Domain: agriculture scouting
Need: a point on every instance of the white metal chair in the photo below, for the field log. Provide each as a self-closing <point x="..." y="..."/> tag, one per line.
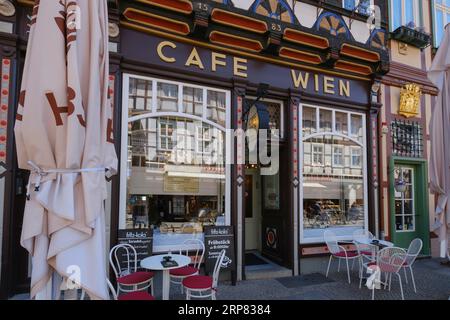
<point x="367" y="251"/>
<point x="389" y="261"/>
<point x="204" y="286"/>
<point x="411" y="255"/>
<point x="177" y="275"/>
<point x="339" y="252"/>
<point x="128" y="278"/>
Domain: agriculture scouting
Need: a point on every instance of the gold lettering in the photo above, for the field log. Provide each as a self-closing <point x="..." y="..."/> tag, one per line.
<point x="161" y="55"/>
<point x="240" y="70"/>
<point x="328" y="85"/>
<point x="344" y="88"/>
<point x="216" y="62"/>
<point x="316" y="82"/>
<point x="194" y="59"/>
<point x="300" y="79"/>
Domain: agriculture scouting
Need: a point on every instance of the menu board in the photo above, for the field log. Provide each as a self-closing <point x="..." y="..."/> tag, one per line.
<point x="218" y="238"/>
<point x="140" y="239"/>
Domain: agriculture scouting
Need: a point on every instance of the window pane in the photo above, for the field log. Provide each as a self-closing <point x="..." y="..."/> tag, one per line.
<point x="167" y="97"/>
<point x="439" y="26"/>
<point x="309" y="121"/>
<point x="409" y="12"/>
<point x="396" y="14"/>
<point x="357" y="127"/>
<point x="341" y="123"/>
<point x="140" y="96"/>
<point x="333" y="190"/>
<point x="216" y="107"/>
<point x="325" y="120"/>
<point x="193" y="101"/>
<point x="349" y="4"/>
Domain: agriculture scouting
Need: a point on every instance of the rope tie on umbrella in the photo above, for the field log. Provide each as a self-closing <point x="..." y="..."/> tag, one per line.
<point x="41" y="173"/>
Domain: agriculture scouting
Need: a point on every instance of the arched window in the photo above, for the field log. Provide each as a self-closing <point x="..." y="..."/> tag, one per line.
<point x="334" y="189"/>
<point x="173" y="171"/>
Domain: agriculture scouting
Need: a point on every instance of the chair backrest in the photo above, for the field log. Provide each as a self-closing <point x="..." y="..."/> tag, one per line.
<point x="331" y="241"/>
<point x="217" y="267"/>
<point x="123" y="259"/>
<point x="391" y="259"/>
<point x="413" y="251"/>
<point x="199" y="251"/>
<point x="362" y="234"/>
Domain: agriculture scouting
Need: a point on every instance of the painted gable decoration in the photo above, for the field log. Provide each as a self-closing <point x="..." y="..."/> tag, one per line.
<point x="378" y="39"/>
<point x="275" y="9"/>
<point x="332" y="23"/>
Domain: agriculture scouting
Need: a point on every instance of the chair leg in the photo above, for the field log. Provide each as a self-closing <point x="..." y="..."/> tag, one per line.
<point x="406" y="275"/>
<point x="329" y="263"/>
<point x="339" y="265"/>
<point x="348" y="271"/>
<point x="188" y="295"/>
<point x="353" y="264"/>
<point x="390" y="280"/>
<point x="412" y="277"/>
<point x="213" y="295"/>
<point x="401" y="286"/>
<point x="152" y="290"/>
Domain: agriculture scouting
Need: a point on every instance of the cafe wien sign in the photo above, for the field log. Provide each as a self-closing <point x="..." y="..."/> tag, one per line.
<point x="176" y="56"/>
<point x="328" y="85"/>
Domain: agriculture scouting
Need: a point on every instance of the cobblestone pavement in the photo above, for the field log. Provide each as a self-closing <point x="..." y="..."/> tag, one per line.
<point x="432" y="281"/>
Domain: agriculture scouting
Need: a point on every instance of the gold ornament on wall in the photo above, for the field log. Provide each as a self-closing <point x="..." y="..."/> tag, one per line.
<point x="410" y="100"/>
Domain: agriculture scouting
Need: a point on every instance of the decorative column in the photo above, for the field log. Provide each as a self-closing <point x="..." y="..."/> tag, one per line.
<point x="238" y="175"/>
<point x="373" y="163"/>
<point x="295" y="143"/>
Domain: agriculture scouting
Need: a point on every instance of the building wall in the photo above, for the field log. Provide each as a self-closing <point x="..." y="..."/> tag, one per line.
<point x="413" y="59"/>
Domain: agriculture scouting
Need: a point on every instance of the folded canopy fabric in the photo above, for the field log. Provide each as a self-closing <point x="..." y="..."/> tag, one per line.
<point x="63" y="135"/>
<point x="439" y="74"/>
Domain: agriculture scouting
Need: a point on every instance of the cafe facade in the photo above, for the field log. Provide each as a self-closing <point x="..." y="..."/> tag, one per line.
<point x="189" y="79"/>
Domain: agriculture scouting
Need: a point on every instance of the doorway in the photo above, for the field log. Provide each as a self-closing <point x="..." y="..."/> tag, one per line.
<point x="252" y="210"/>
<point x="409" y="218"/>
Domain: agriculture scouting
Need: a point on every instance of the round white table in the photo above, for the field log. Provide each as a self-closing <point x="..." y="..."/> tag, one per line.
<point x="154" y="263"/>
<point x="369" y="242"/>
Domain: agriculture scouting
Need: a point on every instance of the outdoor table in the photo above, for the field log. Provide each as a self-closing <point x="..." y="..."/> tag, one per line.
<point x="376" y="247"/>
<point x="154" y="263"/>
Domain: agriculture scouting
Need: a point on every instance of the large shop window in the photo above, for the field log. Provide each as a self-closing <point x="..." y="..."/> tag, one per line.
<point x="174" y="178"/>
<point x="334" y="177"/>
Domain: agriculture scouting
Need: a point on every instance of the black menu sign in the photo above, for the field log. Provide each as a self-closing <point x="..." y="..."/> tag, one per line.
<point x="217" y="239"/>
<point x="140" y="239"/>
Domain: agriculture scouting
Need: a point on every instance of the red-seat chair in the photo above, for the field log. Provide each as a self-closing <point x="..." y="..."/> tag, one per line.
<point x="204" y="286"/>
<point x="136" y="295"/>
<point x="340" y="253"/>
<point x="123" y="259"/>
<point x="178" y="275"/>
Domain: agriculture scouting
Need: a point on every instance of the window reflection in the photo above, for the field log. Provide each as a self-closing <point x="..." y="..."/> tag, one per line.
<point x="333" y="173"/>
<point x="176" y="164"/>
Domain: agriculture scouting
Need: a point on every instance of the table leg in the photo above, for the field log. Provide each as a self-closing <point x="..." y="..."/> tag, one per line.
<point x="166" y="285"/>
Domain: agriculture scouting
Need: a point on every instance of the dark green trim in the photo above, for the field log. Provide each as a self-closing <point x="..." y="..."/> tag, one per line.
<point x="421" y="203"/>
